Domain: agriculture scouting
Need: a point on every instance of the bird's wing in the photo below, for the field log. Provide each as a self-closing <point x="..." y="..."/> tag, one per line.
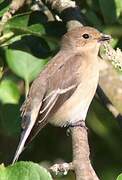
<point x="44" y="94"/>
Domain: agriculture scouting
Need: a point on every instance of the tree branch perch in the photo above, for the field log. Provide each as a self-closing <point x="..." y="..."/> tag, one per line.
<point x="81" y="152"/>
<point x="81" y="164"/>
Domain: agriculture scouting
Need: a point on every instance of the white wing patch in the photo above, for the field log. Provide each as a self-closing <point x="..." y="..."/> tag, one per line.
<point x="53" y="98"/>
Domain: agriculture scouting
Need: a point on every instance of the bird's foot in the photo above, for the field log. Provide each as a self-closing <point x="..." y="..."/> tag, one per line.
<point x="80" y="123"/>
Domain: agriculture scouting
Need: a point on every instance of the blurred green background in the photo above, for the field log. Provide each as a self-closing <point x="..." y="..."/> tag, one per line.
<point x="28" y="42"/>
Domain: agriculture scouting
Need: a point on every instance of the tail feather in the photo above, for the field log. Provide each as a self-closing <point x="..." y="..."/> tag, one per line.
<point x="30" y="119"/>
<point x="24" y="136"/>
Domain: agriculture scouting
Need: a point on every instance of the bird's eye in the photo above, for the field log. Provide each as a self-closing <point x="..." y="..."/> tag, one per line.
<point x="85" y="36"/>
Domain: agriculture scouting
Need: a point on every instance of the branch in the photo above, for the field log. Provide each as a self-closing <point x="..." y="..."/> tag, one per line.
<point x="67" y="10"/>
<point x="81" y="161"/>
<point x="81" y="164"/>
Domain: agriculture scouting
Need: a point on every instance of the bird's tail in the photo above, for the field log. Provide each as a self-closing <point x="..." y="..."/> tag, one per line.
<point x="24" y="136"/>
<point x="30" y="119"/>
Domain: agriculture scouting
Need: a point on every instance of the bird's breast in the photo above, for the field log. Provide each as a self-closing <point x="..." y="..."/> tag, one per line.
<point x="75" y="108"/>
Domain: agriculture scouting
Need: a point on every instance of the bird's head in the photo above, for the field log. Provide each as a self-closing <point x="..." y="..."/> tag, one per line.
<point x="84" y="38"/>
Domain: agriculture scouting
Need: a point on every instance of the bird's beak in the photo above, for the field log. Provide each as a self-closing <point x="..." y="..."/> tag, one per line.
<point x="104" y="37"/>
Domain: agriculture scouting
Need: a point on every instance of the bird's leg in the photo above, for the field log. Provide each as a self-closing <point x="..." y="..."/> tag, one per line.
<point x="80" y="123"/>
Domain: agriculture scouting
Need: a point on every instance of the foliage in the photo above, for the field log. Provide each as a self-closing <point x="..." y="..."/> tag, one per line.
<point x="29" y="66"/>
<point x="27" y="43"/>
<point x="119" y="177"/>
<point x="25" y="171"/>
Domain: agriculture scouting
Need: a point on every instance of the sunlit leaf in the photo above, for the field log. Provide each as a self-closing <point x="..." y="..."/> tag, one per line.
<point x="19" y="21"/>
<point x="4" y="6"/>
<point x="119" y="177"/>
<point x="1" y="1"/>
<point x="9" y="92"/>
<point x="24" y="171"/>
<point x="19" y="25"/>
<point x="118" y="7"/>
<point x="11" y="40"/>
<point x="24" y="65"/>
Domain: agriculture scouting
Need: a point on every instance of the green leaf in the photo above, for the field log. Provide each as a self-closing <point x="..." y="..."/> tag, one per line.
<point x="3" y="11"/>
<point x="24" y="171"/>
<point x="19" y="25"/>
<point x="109" y="16"/>
<point x="4" y="7"/>
<point x="114" y="30"/>
<point x="36" y="29"/>
<point x="93" y="18"/>
<point x="24" y="65"/>
<point x="10" y="39"/>
<point x="9" y="92"/>
<point x="21" y="21"/>
<point x="118" y="4"/>
<point x="1" y="1"/>
<point x="119" y="177"/>
<point x="103" y="125"/>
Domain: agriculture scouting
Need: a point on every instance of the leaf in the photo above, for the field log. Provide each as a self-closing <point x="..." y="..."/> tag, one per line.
<point x="24" y="64"/>
<point x="119" y="177"/>
<point x="109" y="16"/>
<point x="114" y="30"/>
<point x="1" y="1"/>
<point x="36" y="29"/>
<point x="11" y="39"/>
<point x="19" y="25"/>
<point x="104" y="125"/>
<point x="118" y="4"/>
<point x="93" y="18"/>
<point x="24" y="171"/>
<point x="4" y="7"/>
<point x="9" y="92"/>
<point x="3" y="11"/>
<point x="21" y="21"/>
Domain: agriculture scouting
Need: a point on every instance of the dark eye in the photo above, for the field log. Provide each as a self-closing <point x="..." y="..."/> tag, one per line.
<point x="85" y="36"/>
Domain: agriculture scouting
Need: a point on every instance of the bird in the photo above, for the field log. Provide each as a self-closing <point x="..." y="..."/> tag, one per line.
<point x="63" y="91"/>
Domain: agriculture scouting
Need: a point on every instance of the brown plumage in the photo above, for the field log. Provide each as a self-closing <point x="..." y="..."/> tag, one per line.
<point x="64" y="90"/>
